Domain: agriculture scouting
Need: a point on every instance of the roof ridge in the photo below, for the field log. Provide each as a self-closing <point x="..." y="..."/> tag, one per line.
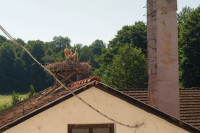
<point x="87" y="80"/>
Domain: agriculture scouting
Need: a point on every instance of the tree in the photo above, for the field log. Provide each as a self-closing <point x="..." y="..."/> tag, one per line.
<point x="12" y="70"/>
<point x="2" y="39"/>
<point x="132" y="37"/>
<point x="50" y="46"/>
<point x="61" y="42"/>
<point x="86" y="55"/>
<point x="37" y="49"/>
<point x="38" y="76"/>
<point x="34" y="73"/>
<point x="135" y="35"/>
<point x="190" y="47"/>
<point x="104" y="61"/>
<point x="128" y="69"/>
<point x="31" y="91"/>
<point x="19" y="50"/>
<point x="15" y="98"/>
<point x="78" y="46"/>
<point x="51" y="54"/>
<point x="7" y="69"/>
<point x="183" y="15"/>
<point x="97" y="47"/>
<point x="51" y="57"/>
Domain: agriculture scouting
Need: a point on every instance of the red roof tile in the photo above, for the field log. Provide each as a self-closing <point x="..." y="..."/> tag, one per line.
<point x="85" y="81"/>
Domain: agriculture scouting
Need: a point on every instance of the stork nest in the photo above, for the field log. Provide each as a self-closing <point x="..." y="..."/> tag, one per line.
<point x="66" y="70"/>
<point x="68" y="67"/>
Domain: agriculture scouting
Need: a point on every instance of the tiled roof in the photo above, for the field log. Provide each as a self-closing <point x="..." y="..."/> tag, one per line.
<point x="189" y="103"/>
<point x="85" y="81"/>
<point x="49" y="98"/>
<point x="140" y="94"/>
<point x="37" y="101"/>
<point x="190" y="106"/>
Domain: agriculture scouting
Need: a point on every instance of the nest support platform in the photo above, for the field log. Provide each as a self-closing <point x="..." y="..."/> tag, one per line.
<point x="68" y="69"/>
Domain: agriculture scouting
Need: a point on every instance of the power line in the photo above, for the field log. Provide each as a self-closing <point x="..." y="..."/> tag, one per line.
<point x="63" y="85"/>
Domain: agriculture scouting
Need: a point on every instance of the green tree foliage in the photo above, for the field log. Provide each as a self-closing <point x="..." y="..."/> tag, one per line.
<point x="11" y="69"/>
<point x="18" y="70"/>
<point x="51" y="57"/>
<point x="50" y="46"/>
<point x="189" y="43"/>
<point x="85" y="54"/>
<point x="61" y="42"/>
<point x="31" y="91"/>
<point x="2" y="39"/>
<point x="7" y="59"/>
<point x="117" y="58"/>
<point x="128" y="69"/>
<point x="105" y="60"/>
<point x="183" y="15"/>
<point x="37" y="49"/>
<point x="36" y="75"/>
<point x="54" y="49"/>
<point x="97" y="47"/>
<point x="135" y="34"/>
<point x="79" y="46"/>
<point x="91" y="53"/>
<point x="50" y="53"/>
<point x="15" y="98"/>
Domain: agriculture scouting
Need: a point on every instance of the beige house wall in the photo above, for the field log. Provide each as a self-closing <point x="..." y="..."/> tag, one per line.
<point x="73" y="111"/>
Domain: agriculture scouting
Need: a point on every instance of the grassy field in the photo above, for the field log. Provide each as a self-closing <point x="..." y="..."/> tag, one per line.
<point x="6" y="100"/>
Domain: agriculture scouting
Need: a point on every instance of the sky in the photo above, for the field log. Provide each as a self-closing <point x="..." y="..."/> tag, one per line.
<point x="83" y="21"/>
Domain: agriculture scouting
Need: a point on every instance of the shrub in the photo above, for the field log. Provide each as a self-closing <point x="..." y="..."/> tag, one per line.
<point x="15" y="98"/>
<point x="31" y="91"/>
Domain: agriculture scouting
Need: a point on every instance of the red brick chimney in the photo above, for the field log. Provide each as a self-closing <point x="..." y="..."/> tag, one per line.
<point x="162" y="40"/>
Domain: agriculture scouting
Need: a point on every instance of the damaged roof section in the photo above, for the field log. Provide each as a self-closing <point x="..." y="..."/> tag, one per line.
<point x="37" y="101"/>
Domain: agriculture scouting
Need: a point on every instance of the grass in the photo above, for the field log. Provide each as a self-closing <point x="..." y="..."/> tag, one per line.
<point x="6" y="100"/>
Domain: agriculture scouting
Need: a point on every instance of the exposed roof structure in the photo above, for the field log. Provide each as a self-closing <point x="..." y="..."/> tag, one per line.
<point x="37" y="104"/>
<point x="13" y="115"/>
<point x="189" y="103"/>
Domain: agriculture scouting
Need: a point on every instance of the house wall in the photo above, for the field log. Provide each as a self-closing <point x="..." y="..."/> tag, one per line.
<point x="73" y="111"/>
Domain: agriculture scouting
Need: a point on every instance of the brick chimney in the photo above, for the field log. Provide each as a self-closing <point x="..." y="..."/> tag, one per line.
<point x="162" y="40"/>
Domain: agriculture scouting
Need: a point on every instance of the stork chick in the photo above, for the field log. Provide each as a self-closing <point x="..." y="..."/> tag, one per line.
<point x="75" y="55"/>
<point x="66" y="52"/>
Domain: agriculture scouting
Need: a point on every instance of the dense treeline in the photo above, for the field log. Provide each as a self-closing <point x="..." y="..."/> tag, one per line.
<point x="189" y="46"/>
<point x="122" y="64"/>
<point x="18" y="71"/>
